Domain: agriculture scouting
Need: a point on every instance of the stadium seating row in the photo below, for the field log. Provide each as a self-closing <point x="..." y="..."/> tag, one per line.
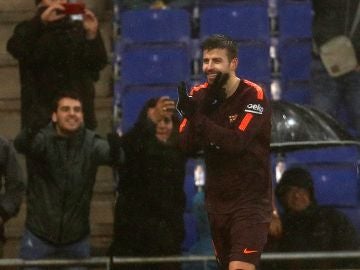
<point x="163" y="54"/>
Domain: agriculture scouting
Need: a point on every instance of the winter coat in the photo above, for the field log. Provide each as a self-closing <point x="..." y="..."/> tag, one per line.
<point x="317" y="228"/>
<point x="151" y="201"/>
<point x="60" y="182"/>
<point x="53" y="58"/>
<point x="11" y="183"/>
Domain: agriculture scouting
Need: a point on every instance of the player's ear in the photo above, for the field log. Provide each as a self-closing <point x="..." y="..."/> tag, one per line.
<point x="234" y="63"/>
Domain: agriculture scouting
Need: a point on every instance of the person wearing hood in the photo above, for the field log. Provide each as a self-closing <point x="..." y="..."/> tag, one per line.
<point x="151" y="200"/>
<point x="308" y="226"/>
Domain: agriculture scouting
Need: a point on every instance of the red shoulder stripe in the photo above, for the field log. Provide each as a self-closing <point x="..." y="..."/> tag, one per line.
<point x="259" y="90"/>
<point x="182" y="125"/>
<point x="245" y="122"/>
<point x="198" y="88"/>
<point x="194" y="89"/>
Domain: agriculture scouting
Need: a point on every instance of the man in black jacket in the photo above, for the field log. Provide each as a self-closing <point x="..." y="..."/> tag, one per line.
<point x="55" y="52"/>
<point x="11" y="186"/>
<point x="308" y="226"/>
<point x="65" y="157"/>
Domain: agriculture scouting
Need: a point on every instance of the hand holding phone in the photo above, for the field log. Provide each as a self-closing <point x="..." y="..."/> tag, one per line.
<point x="51" y="13"/>
<point x="167" y="104"/>
<point x="90" y="23"/>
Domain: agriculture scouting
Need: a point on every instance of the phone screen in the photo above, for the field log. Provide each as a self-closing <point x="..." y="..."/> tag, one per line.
<point x="74" y="8"/>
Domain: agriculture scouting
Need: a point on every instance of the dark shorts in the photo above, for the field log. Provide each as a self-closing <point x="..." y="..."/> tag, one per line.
<point x="235" y="239"/>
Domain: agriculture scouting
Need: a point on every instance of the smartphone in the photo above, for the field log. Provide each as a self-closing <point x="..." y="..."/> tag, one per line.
<point x="74" y="8"/>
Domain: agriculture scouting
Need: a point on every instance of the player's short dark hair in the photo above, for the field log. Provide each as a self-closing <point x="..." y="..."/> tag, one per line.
<point x="218" y="41"/>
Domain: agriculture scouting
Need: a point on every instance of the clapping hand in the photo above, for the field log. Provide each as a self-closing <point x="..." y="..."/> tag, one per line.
<point x="215" y="93"/>
<point x="185" y="104"/>
<point x="213" y="96"/>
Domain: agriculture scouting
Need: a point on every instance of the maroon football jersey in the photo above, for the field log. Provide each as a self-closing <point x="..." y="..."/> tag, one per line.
<point x="235" y="138"/>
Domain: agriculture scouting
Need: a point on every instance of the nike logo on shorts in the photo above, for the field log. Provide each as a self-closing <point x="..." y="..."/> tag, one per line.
<point x="249" y="251"/>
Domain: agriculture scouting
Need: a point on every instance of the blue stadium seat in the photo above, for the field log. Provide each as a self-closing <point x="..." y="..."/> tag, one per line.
<point x="295" y="59"/>
<point x="191" y="234"/>
<point x="335" y="173"/>
<point x="190" y="231"/>
<point x="295" y="18"/>
<point x="354" y="216"/>
<point x="246" y="21"/>
<point x="296" y="91"/>
<point x="149" y="26"/>
<point x="206" y="3"/>
<point x="336" y="184"/>
<point x="294" y="48"/>
<point x="343" y="116"/>
<point x="134" y="98"/>
<point x="155" y="65"/>
<point x="254" y="61"/>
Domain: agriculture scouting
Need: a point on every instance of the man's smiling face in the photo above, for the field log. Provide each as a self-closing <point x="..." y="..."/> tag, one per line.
<point x="68" y="117"/>
<point x="215" y="61"/>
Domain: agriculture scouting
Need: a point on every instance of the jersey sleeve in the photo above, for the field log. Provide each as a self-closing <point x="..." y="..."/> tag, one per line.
<point x="251" y="120"/>
<point x="190" y="134"/>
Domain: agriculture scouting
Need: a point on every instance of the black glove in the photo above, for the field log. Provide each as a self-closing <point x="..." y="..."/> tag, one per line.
<point x="185" y="103"/>
<point x="214" y="93"/>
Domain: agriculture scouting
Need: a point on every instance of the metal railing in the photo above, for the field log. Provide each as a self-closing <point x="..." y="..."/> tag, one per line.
<point x="107" y="262"/>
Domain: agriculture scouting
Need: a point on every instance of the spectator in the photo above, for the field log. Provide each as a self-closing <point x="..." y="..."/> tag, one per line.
<point x="55" y="52"/>
<point x="308" y="226"/>
<point x="229" y="119"/>
<point x="335" y="95"/>
<point x="65" y="157"/>
<point x="11" y="186"/>
<point x="151" y="201"/>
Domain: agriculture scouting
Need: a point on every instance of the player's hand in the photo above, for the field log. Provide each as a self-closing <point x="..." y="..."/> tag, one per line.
<point x="185" y="104"/>
<point x="215" y="93"/>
